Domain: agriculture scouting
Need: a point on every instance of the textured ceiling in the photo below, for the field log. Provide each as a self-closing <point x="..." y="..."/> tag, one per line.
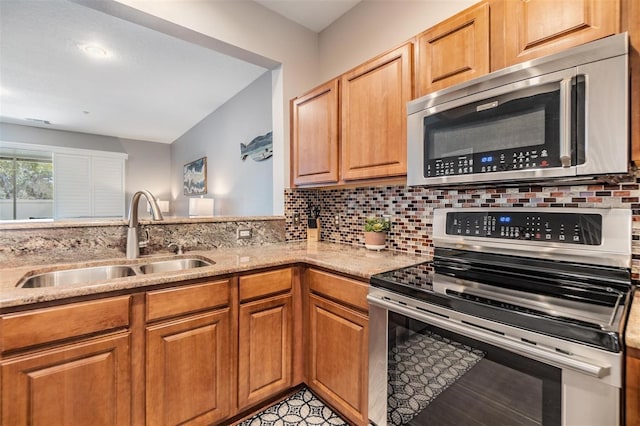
<point x="152" y="86"/>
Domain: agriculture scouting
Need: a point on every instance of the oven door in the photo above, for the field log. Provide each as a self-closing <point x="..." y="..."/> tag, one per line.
<point x="443" y="372"/>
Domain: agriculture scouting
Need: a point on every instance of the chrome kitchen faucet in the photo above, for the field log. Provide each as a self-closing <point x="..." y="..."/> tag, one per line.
<point x="133" y="247"/>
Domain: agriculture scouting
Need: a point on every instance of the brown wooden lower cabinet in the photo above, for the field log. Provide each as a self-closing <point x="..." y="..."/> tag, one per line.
<point x="197" y="353"/>
<point x="338" y="357"/>
<point x="264" y="364"/>
<point x="632" y="388"/>
<point x="188" y="370"/>
<point x="86" y="383"/>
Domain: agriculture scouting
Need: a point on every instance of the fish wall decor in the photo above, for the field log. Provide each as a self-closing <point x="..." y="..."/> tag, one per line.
<point x="259" y="149"/>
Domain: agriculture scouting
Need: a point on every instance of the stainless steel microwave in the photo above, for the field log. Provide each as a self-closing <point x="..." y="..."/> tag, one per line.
<point x="564" y="116"/>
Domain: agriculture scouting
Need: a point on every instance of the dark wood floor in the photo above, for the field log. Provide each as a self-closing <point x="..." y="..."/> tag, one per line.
<point x="488" y="394"/>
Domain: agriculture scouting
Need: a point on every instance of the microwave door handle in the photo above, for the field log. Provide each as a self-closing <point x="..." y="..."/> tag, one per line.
<point x="565" y="122"/>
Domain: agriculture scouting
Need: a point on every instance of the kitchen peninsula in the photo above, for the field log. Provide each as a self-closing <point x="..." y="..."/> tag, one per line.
<point x="250" y="301"/>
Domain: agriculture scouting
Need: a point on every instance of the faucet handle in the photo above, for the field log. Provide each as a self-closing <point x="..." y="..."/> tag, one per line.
<point x="178" y="247"/>
<point x="144" y="243"/>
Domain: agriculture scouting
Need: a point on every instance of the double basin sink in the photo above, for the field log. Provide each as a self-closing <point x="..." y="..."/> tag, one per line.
<point x="93" y="274"/>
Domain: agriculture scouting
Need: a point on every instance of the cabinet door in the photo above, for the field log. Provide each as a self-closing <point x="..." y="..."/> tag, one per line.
<point x="188" y="370"/>
<point x="374" y="116"/>
<point x="314" y="138"/>
<point x="454" y="51"/>
<point x="535" y="28"/>
<point x="338" y="357"/>
<point x="87" y="383"/>
<point x="264" y="366"/>
<point x="632" y="391"/>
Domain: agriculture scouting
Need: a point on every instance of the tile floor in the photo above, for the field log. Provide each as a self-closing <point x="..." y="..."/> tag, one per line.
<point x="300" y="409"/>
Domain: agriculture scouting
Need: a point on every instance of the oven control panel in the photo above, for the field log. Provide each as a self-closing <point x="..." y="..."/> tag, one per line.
<point x="569" y="228"/>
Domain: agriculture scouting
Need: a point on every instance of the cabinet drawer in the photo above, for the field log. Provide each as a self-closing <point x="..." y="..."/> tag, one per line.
<point x="341" y="289"/>
<point x="39" y="326"/>
<point x="190" y="298"/>
<point x="265" y="283"/>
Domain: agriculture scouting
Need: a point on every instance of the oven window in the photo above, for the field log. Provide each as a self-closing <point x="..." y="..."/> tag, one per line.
<point x="520" y="123"/>
<point x="521" y="130"/>
<point x="436" y="377"/>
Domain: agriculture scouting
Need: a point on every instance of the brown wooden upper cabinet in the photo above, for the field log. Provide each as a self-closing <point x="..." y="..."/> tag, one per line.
<point x="314" y="136"/>
<point x="369" y="102"/>
<point x="374" y="116"/>
<point x="353" y="128"/>
<point x="454" y="50"/>
<point x="534" y="28"/>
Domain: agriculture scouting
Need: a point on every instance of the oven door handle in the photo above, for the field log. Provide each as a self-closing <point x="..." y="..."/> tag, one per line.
<point x="560" y="360"/>
<point x="565" y="122"/>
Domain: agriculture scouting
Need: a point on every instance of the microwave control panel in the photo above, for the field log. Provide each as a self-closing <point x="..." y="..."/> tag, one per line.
<point x="568" y="228"/>
<point x="497" y="161"/>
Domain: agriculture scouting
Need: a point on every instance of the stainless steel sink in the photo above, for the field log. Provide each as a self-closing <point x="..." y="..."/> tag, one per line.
<point x="173" y="265"/>
<point x="102" y="273"/>
<point x="76" y="276"/>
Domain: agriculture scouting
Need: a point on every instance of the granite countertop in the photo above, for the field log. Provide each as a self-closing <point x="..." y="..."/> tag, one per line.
<point x="350" y="260"/>
<point x="632" y="332"/>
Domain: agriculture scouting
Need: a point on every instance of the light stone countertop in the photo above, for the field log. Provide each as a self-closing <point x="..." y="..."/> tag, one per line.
<point x="632" y="332"/>
<point x="346" y="259"/>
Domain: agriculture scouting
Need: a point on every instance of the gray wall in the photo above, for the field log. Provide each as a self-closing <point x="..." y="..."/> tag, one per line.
<point x="50" y="137"/>
<point x="239" y="188"/>
<point x="242" y="26"/>
<point x="148" y="168"/>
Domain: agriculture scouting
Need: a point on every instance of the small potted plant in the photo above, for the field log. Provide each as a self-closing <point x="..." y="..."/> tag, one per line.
<point x="375" y="232"/>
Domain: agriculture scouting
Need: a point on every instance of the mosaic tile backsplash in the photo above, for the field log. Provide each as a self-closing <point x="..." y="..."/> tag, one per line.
<point x="342" y="211"/>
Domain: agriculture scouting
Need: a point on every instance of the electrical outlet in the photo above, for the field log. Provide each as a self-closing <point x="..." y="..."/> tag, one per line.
<point x="336" y="221"/>
<point x="387" y="218"/>
<point x="244" y="233"/>
<point x="296" y="219"/>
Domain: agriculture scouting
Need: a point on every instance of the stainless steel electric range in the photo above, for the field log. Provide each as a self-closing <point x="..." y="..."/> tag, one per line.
<point x="517" y="321"/>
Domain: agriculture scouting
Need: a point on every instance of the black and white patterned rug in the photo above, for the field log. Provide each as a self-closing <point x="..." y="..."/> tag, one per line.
<point x="300" y="409"/>
<point x="420" y="368"/>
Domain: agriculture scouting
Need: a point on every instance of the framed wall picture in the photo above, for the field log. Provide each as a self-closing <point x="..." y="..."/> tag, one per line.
<point x="195" y="177"/>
